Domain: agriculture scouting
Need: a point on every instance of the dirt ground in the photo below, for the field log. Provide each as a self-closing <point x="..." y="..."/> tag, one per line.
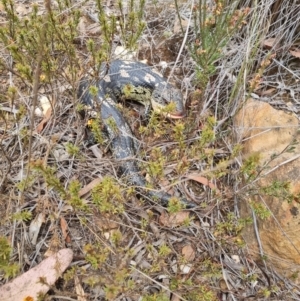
<point x="130" y="248"/>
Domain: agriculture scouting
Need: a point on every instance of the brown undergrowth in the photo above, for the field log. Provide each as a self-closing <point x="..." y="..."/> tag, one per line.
<point x="57" y="191"/>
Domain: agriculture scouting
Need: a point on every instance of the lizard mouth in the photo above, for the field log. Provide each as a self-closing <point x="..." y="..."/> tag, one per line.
<point x="176" y="115"/>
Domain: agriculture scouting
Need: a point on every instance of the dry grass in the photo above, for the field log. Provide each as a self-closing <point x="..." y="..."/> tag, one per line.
<point x="135" y="250"/>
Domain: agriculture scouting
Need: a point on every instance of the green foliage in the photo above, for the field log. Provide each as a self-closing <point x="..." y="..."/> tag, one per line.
<point x="130" y="26"/>
<point x="201" y="293"/>
<point x="120" y="283"/>
<point x="9" y="269"/>
<point x="24" y="216"/>
<point x="159" y="127"/>
<point x="155" y="126"/>
<point x="96" y="130"/>
<point x="167" y="109"/>
<point x="70" y="273"/>
<point x="21" y="113"/>
<point x="97" y="57"/>
<point x="197" y="292"/>
<point x="231" y="225"/>
<point x="93" y="90"/>
<point x="250" y="166"/>
<point x="108" y="196"/>
<point x="211" y="268"/>
<point x="96" y="254"/>
<point x="294" y="276"/>
<point x="116" y="237"/>
<point x="265" y="292"/>
<point x="215" y="24"/>
<point x="54" y="33"/>
<point x="50" y="177"/>
<point x="73" y="197"/>
<point x="179" y="137"/>
<point x="25" y="183"/>
<point x="278" y="189"/>
<point x="70" y="195"/>
<point x="127" y="90"/>
<point x="111" y="123"/>
<point x="156" y="164"/>
<point x="131" y="22"/>
<point x="72" y="149"/>
<point x="164" y="250"/>
<point x="11" y="93"/>
<point x="260" y="209"/>
<point x="115" y="280"/>
<point x="24" y="135"/>
<point x="175" y="205"/>
<point x="156" y="297"/>
<point x="208" y="132"/>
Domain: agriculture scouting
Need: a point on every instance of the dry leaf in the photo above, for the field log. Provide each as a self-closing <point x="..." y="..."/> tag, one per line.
<point x="47" y="111"/>
<point x="185" y="268"/>
<point x="81" y="27"/>
<point x="35" y="227"/>
<point x="67" y="208"/>
<point x="175" y="298"/>
<point x="42" y="124"/>
<point x="105" y="223"/>
<point x="49" y="253"/>
<point x="22" y="9"/>
<point x="188" y="253"/>
<point x="45" y="104"/>
<point x="295" y="53"/>
<point x="87" y="188"/>
<point x="29" y="286"/>
<point x="269" y="43"/>
<point x="79" y="290"/>
<point x="236" y="258"/>
<point x="177" y="27"/>
<point x="93" y="29"/>
<point x="202" y="180"/>
<point x="268" y="92"/>
<point x="65" y="230"/>
<point x="60" y="153"/>
<point x="10" y="110"/>
<point x="165" y="185"/>
<point x="96" y="151"/>
<point x="223" y="286"/>
<point x="174" y="219"/>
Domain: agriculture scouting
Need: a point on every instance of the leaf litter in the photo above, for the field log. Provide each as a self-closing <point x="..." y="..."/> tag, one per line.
<point x="145" y="237"/>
